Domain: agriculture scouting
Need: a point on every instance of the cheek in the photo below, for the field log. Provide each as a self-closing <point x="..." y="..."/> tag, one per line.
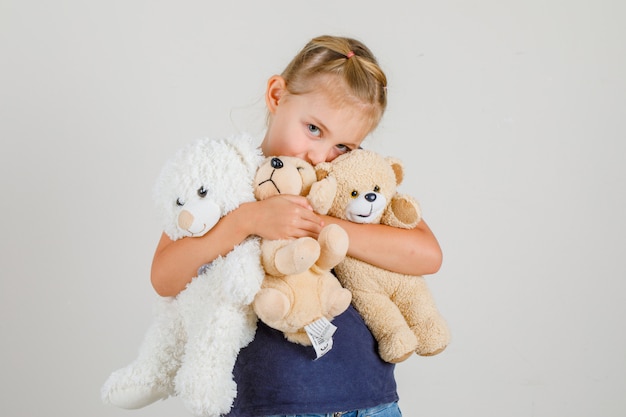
<point x="295" y="144"/>
<point x="286" y="145"/>
<point x="332" y="154"/>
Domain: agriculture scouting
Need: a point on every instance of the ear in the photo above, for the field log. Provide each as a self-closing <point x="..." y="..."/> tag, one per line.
<point x="276" y="87"/>
<point x="397" y="167"/>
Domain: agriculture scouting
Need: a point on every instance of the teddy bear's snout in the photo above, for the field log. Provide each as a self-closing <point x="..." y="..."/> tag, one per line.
<point x="371" y="197"/>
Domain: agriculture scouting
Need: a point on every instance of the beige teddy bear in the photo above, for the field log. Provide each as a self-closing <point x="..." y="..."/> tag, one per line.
<point x="399" y="309"/>
<point x="299" y="287"/>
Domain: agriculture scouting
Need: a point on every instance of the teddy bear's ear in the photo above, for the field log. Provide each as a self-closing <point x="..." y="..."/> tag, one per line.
<point x="322" y="170"/>
<point x="398" y="168"/>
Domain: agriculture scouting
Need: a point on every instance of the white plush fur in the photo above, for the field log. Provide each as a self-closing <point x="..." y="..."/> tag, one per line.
<point x="191" y="347"/>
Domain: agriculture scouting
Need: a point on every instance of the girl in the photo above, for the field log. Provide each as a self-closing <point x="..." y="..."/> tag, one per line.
<point x="328" y="99"/>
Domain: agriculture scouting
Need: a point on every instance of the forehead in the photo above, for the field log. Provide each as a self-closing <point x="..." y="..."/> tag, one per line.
<point x="336" y="89"/>
<point x="339" y="116"/>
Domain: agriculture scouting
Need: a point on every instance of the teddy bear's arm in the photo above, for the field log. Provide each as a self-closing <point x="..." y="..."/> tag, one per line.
<point x="322" y="194"/>
<point x="403" y="212"/>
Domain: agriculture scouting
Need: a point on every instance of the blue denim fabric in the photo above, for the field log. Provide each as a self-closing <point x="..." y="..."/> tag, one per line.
<point x="384" y="410"/>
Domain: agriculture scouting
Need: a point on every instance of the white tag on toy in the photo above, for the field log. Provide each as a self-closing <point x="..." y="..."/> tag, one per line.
<point x="321" y="334"/>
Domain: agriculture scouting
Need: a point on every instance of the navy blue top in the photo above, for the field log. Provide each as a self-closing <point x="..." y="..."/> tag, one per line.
<point x="275" y="376"/>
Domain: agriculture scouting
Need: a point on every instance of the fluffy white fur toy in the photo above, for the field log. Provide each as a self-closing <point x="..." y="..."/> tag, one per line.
<point x="191" y="347"/>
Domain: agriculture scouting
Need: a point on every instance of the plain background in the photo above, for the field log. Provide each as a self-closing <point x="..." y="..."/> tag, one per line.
<point x="509" y="116"/>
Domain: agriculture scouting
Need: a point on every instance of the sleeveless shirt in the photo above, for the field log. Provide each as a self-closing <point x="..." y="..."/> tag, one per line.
<point x="275" y="376"/>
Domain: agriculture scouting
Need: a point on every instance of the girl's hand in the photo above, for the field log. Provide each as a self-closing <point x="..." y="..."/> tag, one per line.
<point x="284" y="217"/>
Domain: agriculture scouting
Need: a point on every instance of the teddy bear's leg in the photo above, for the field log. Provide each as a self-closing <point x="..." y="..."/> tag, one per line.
<point x="151" y="376"/>
<point x="219" y="321"/>
<point x="289" y="256"/>
<point x="301" y="337"/>
<point x="396" y="341"/>
<point x="204" y="381"/>
<point x="334" y="298"/>
<point x="297" y="256"/>
<point x="271" y="304"/>
<point x="338" y="301"/>
<point x="421" y="313"/>
<point x="333" y="240"/>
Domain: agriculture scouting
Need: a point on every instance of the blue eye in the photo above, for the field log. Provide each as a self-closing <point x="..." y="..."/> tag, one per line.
<point x="343" y="148"/>
<point x="314" y="130"/>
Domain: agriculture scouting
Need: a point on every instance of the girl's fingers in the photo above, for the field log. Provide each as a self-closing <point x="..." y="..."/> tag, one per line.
<point x="301" y="201"/>
<point x="289" y="217"/>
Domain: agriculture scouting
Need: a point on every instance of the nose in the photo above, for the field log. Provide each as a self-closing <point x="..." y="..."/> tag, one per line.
<point x="371" y="197"/>
<point x="317" y="155"/>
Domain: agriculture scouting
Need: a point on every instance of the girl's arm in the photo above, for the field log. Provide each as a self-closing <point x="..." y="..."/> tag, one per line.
<point x="175" y="263"/>
<point x="407" y="251"/>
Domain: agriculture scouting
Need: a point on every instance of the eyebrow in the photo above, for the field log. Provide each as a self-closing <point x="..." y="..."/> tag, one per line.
<point x="318" y="123"/>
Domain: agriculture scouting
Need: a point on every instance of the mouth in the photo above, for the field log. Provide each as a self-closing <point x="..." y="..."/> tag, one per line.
<point x="271" y="181"/>
<point x="368" y="214"/>
<point x="192" y="234"/>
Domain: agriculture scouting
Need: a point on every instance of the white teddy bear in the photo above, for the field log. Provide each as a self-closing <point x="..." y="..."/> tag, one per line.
<point x="191" y="347"/>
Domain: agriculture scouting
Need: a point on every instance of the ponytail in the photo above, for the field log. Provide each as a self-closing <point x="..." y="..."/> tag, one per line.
<point x="347" y="58"/>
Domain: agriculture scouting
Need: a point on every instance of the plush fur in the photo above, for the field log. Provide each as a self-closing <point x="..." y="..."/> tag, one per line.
<point x="191" y="347"/>
<point x="299" y="287"/>
<point x="360" y="186"/>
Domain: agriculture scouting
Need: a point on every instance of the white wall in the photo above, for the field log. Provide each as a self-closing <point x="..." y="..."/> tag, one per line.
<point x="508" y="114"/>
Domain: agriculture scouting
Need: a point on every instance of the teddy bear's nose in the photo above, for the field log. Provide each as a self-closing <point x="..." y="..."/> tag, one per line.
<point x="185" y="220"/>
<point x="371" y="197"/>
<point x="277" y="163"/>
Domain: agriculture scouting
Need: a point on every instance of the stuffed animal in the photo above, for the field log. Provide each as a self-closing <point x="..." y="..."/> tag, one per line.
<point x="299" y="287"/>
<point x="399" y="309"/>
<point x="191" y="347"/>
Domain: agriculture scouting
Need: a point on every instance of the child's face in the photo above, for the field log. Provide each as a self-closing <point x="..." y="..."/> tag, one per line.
<point x="313" y="127"/>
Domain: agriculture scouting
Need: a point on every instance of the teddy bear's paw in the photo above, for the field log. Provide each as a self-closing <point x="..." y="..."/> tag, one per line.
<point x="395" y="347"/>
<point x="297" y="256"/>
<point x="271" y="306"/>
<point x="134" y="397"/>
<point x="433" y="337"/>
<point x="209" y="396"/>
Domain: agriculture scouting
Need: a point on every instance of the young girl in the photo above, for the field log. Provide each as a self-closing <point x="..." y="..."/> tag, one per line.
<point x="328" y="99"/>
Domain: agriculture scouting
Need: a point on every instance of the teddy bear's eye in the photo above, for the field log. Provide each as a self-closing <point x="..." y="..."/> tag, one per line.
<point x="354" y="194"/>
<point x="376" y="189"/>
<point x="202" y="192"/>
<point x="179" y="203"/>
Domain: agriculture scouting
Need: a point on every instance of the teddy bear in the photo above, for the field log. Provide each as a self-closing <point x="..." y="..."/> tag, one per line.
<point x="399" y="309"/>
<point x="191" y="347"/>
<point x="299" y="287"/>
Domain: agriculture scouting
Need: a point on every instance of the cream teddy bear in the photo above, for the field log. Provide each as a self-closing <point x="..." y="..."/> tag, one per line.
<point x="299" y="287"/>
<point x="191" y="347"/>
<point x="399" y="309"/>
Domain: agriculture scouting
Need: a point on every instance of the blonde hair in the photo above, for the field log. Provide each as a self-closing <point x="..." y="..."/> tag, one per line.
<point x="364" y="81"/>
